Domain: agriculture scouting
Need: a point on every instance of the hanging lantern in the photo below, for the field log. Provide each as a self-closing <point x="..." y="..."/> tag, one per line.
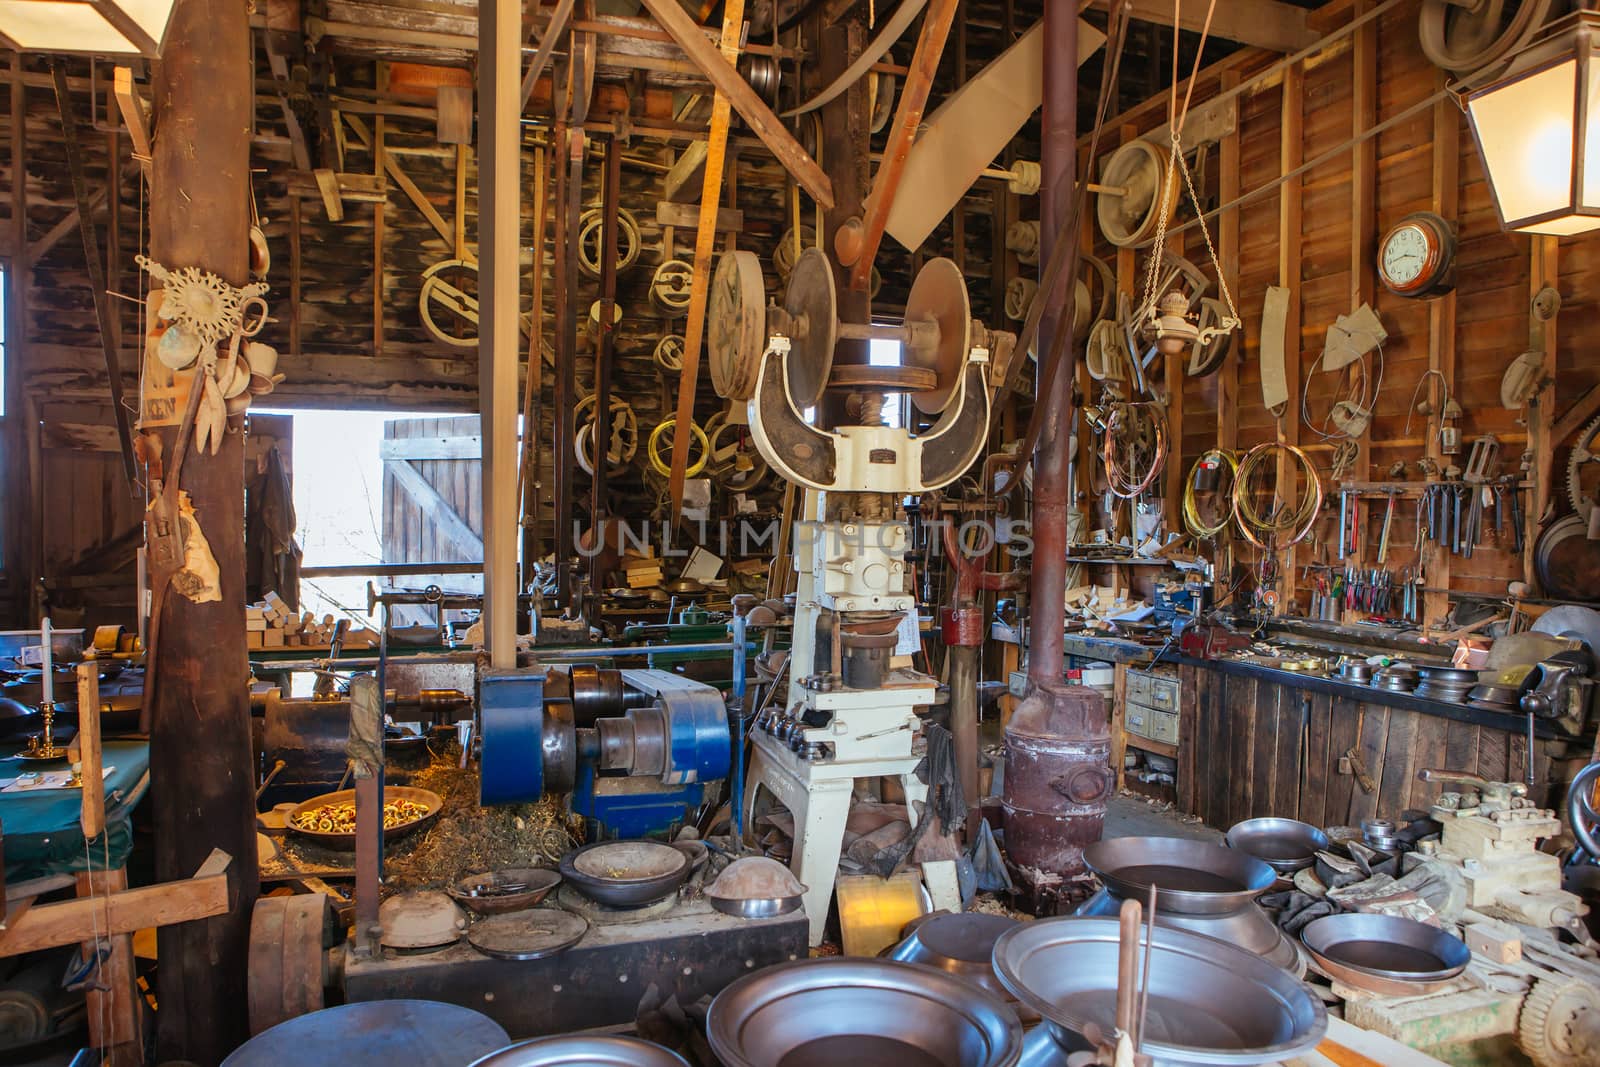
<point x="1533" y="127"/>
<point x="97" y="28"/>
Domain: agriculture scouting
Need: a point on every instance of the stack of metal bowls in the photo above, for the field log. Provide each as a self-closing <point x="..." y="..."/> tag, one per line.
<point x="1209" y="1002"/>
<point x="1397" y="677"/>
<point x="1494" y="697"/>
<point x="961" y="945"/>
<point x="1450" y="684"/>
<point x="1285" y="845"/>
<point x="1200" y="887"/>
<point x="1385" y="954"/>
<point x="866" y="1013"/>
<point x="1356" y="671"/>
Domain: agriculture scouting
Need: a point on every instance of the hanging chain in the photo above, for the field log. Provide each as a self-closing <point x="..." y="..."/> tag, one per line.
<point x="1205" y="231"/>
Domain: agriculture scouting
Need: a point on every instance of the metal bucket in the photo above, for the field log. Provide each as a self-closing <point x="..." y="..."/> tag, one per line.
<point x="1210" y="1002"/>
<point x="583" y="1050"/>
<point x="866" y="1013"/>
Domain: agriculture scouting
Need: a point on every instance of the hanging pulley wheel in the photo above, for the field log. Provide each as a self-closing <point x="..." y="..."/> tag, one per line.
<point x="881" y="88"/>
<point x="669" y="353"/>
<point x="448" y="302"/>
<point x="783" y="258"/>
<point x="1129" y="216"/>
<point x="736" y="324"/>
<point x="659" y="449"/>
<point x="1583" y="471"/>
<point x="591" y="231"/>
<point x="735" y="463"/>
<point x="1020" y="292"/>
<point x="624" y="432"/>
<point x="939" y="293"/>
<point x="288" y="970"/>
<point x="670" y="286"/>
<point x="1466" y="38"/>
<point x="812" y="299"/>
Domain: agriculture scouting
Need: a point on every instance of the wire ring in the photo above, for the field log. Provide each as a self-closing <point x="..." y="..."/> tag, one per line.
<point x="660" y="431"/>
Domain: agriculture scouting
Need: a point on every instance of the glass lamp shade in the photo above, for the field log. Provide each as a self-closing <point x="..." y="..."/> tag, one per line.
<point x="1533" y="131"/>
<point x="94" y="27"/>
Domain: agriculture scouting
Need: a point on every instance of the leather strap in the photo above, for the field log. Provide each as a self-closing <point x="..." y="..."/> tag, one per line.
<point x="1274" y="382"/>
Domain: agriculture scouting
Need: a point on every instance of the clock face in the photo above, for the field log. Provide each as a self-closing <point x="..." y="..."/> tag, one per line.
<point x="1406" y="254"/>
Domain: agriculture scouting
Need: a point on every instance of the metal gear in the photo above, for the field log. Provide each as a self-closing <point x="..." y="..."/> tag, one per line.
<point x="1585" y="450"/>
<point x="1560" y="1023"/>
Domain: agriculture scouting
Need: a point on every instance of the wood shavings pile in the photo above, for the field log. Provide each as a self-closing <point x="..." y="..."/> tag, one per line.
<point x="468" y="838"/>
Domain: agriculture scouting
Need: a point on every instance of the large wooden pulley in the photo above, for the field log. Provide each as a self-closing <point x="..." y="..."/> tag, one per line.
<point x="812" y="304"/>
<point x="938" y="296"/>
<point x="736" y="324"/>
<point x="591" y="232"/>
<point x="448" y="302"/>
<point x="289" y="939"/>
<point x="668" y="353"/>
<point x="1139" y="172"/>
<point x="1466" y="38"/>
<point x="670" y="286"/>
<point x="623" y="430"/>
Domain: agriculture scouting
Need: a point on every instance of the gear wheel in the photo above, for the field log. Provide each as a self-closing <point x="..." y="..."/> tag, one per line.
<point x="1560" y="1023"/>
<point x="1585" y="450"/>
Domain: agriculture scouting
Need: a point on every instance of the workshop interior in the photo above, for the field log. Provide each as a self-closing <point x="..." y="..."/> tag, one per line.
<point x="783" y="533"/>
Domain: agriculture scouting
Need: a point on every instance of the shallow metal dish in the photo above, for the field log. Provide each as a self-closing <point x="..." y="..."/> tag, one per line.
<point x="1386" y="946"/>
<point x="1210" y="1002"/>
<point x="508" y="889"/>
<point x="860" y="1012"/>
<point x="1193" y="877"/>
<point x="1285" y="845"/>
<point x="756" y="907"/>
<point x="626" y="874"/>
<point x="347" y="842"/>
<point x="583" y="1050"/>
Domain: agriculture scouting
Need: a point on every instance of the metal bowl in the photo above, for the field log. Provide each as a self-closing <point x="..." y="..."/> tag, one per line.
<point x="508" y="889"/>
<point x="958" y="944"/>
<point x="1193" y="877"/>
<point x="756" y="887"/>
<point x="1210" y="1002"/>
<point x="1386" y="946"/>
<point x="1358" y="671"/>
<point x="1285" y="845"/>
<point x="756" y="908"/>
<point x="347" y="842"/>
<point x="626" y="874"/>
<point x="866" y="1013"/>
<point x="583" y="1050"/>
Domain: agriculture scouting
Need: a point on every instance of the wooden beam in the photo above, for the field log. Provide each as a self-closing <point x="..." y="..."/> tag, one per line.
<point x="166" y="904"/>
<point x="547" y="44"/>
<point x="907" y="120"/>
<point x="721" y="72"/>
<point x="1579" y="413"/>
<point x="93" y="817"/>
<point x="1268" y="24"/>
<point x="329" y="186"/>
<point x="1543" y="271"/>
<point x="704" y="238"/>
<point x="1290" y="198"/>
<point x="419" y="448"/>
<point x="686" y="215"/>
<point x="134" y="115"/>
<point x="403" y="180"/>
<point x="1442" y="336"/>
<point x="1363" y="208"/>
<point x="435" y="508"/>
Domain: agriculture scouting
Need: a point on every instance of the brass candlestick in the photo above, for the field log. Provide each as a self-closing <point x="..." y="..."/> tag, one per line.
<point x="48" y="749"/>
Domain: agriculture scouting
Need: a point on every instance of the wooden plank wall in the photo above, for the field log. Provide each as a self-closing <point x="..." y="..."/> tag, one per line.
<point x="1253" y="748"/>
<point x="1427" y="161"/>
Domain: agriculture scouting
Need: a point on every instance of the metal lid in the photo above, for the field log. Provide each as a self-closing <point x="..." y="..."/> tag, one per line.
<point x="528" y="935"/>
<point x="1210" y="1002"/>
<point x="377" y="1033"/>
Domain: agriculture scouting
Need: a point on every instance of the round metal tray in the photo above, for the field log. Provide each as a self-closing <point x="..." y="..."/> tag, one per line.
<point x="645" y="872"/>
<point x="347" y="842"/>
<point x="1210" y="1002"/>
<point x="418" y="1033"/>
<point x="583" y="1050"/>
<point x="1386" y="946"/>
<point x="527" y="935"/>
<point x="865" y="1013"/>
<point x="1285" y="845"/>
<point x="1192" y="877"/>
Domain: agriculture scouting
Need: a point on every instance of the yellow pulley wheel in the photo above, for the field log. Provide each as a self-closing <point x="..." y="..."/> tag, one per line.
<point x="654" y="450"/>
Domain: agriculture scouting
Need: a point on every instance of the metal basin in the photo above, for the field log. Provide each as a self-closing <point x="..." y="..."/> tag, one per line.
<point x="1385" y="947"/>
<point x="961" y="945"/>
<point x="1286" y="845"/>
<point x="1210" y="1002"/>
<point x="626" y="874"/>
<point x="508" y="889"/>
<point x="1249" y="928"/>
<point x="865" y="1013"/>
<point x="347" y="842"/>
<point x="1192" y="877"/>
<point x="580" y="1050"/>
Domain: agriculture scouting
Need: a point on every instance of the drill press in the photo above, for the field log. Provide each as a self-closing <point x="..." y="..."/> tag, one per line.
<point x="849" y="713"/>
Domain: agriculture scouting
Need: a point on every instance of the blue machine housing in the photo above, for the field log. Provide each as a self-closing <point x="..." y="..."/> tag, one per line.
<point x="637" y="774"/>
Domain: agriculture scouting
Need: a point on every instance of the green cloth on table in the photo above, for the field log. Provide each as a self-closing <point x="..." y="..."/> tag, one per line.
<point x="42" y="833"/>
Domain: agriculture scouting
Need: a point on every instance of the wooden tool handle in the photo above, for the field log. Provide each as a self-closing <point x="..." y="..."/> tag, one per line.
<point x="1131" y="917"/>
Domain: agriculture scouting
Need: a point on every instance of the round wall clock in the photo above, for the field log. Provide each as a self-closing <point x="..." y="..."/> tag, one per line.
<point x="1417" y="257"/>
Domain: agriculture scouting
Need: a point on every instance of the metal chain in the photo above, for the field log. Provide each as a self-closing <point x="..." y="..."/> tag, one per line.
<point x="1205" y="231"/>
<point x="1148" y="304"/>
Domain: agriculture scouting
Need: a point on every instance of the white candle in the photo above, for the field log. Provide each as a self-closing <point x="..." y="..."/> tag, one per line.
<point x="48" y="692"/>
